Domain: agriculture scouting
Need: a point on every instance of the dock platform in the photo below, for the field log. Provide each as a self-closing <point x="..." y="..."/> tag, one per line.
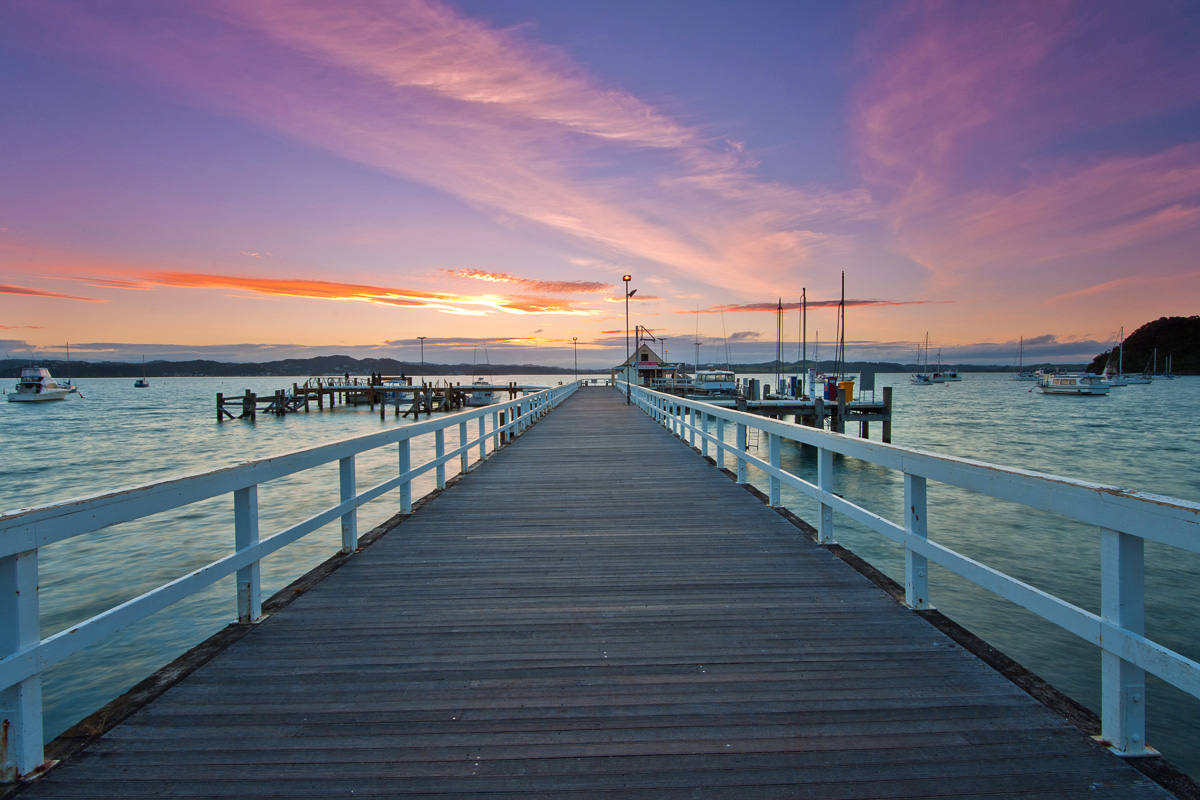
<point x="595" y="612"/>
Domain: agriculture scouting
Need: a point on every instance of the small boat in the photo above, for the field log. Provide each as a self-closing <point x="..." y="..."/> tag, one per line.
<point x="142" y="382"/>
<point x="482" y="394"/>
<point x="1077" y="383"/>
<point x="36" y="385"/>
<point x="923" y="378"/>
<point x="1022" y="373"/>
<point x="718" y="382"/>
<point x="1115" y="375"/>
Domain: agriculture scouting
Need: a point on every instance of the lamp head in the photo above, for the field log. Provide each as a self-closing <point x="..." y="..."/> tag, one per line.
<point x="627" y="278"/>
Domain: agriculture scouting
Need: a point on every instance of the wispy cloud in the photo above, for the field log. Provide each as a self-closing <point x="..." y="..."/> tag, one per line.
<point x="29" y="292"/>
<point x="982" y="128"/>
<point x="794" y="305"/>
<point x="511" y="126"/>
<point x="552" y="287"/>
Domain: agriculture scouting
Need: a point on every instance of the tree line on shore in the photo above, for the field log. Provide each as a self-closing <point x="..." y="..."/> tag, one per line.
<point x="1177" y="337"/>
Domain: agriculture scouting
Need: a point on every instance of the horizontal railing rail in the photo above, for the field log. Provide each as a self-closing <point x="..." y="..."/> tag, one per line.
<point x="1126" y="519"/>
<point x="25" y="655"/>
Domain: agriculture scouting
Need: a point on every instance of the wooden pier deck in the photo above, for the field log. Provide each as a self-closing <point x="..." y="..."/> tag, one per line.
<point x="595" y="612"/>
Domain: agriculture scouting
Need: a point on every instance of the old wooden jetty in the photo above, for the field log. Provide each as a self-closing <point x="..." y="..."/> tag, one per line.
<point x="594" y="611"/>
<point x="398" y="391"/>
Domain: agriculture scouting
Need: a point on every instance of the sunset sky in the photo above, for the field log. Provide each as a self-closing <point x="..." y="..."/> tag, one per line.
<point x="248" y="180"/>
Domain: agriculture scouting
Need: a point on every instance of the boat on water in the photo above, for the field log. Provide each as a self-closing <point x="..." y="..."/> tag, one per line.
<point x="923" y="377"/>
<point x="36" y="385"/>
<point x="482" y="393"/>
<point x="1022" y="373"/>
<point x="1073" y="383"/>
<point x="142" y="382"/>
<point x="1114" y="375"/>
<point x="714" y="383"/>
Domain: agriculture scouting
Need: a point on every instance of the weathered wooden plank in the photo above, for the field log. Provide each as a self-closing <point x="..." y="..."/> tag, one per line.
<point x="595" y="612"/>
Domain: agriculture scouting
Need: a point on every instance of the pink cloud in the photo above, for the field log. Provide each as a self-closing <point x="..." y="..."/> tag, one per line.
<point x="26" y="291"/>
<point x="962" y="125"/>
<point x="510" y="126"/>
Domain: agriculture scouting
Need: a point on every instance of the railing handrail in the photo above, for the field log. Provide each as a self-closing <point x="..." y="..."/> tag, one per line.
<point x="1126" y="519"/>
<point x="24" y="654"/>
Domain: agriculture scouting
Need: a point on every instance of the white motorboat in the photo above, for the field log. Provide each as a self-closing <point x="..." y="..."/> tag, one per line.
<point x="36" y="385"/>
<point x="481" y="393"/>
<point x="711" y="382"/>
<point x="1077" y="383"/>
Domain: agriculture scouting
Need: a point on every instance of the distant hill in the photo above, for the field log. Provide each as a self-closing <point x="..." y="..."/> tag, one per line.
<point x="320" y="365"/>
<point x="1177" y="337"/>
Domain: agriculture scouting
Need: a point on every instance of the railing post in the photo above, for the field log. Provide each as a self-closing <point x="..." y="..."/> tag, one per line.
<point x="462" y="443"/>
<point x="704" y="434"/>
<point x="349" y="490"/>
<point x="483" y="437"/>
<point x="1123" y="605"/>
<point x="825" y="484"/>
<point x="20" y="704"/>
<point x="495" y="431"/>
<point x="720" y="443"/>
<point x="245" y="533"/>
<point x="692" y="426"/>
<point x="741" y="453"/>
<point x="773" y="483"/>
<point x="405" y="464"/>
<point x="916" y="566"/>
<point x="439" y="450"/>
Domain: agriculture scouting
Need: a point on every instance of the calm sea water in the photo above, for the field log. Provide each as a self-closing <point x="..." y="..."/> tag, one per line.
<point x="1140" y="437"/>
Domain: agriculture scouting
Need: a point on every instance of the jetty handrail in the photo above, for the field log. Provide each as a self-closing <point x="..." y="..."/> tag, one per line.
<point x="1126" y="519"/>
<point x="24" y="654"/>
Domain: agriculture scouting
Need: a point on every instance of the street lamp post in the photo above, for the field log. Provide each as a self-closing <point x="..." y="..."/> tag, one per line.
<point x="628" y="352"/>
<point x="422" y="338"/>
<point x="575" y="341"/>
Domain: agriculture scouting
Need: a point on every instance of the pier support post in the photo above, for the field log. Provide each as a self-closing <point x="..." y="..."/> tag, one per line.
<point x="741" y="453"/>
<point x="1123" y="605"/>
<point x="825" y="484"/>
<point x="405" y="466"/>
<point x="20" y="704"/>
<point x="887" y="415"/>
<point x="773" y="485"/>
<point x="439" y="451"/>
<point x="349" y="490"/>
<point x="245" y="532"/>
<point x="818" y="413"/>
<point x="220" y="407"/>
<point x="916" y="566"/>
<point x="720" y="443"/>
<point x="463" y="458"/>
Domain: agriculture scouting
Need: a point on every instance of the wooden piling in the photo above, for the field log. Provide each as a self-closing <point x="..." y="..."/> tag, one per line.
<point x="887" y="414"/>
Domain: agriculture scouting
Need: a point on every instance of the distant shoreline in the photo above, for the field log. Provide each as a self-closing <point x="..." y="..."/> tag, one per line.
<point x="340" y="365"/>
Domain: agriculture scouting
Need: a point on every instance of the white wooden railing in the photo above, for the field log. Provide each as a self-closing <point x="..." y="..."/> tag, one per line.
<point x="1126" y="519"/>
<point x="25" y="655"/>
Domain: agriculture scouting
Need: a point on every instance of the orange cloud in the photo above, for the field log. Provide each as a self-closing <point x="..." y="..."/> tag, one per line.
<point x="556" y="287"/>
<point x="331" y="290"/>
<point x="26" y="291"/>
<point x="789" y="306"/>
